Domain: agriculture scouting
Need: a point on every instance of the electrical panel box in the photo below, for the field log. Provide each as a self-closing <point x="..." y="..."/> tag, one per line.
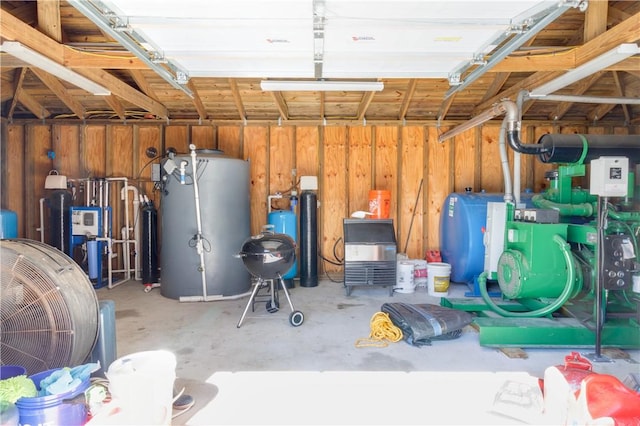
<point x="85" y="221"/>
<point x="155" y="172"/>
<point x="609" y="176"/>
<point x="493" y="237"/>
<point x="537" y="215"/>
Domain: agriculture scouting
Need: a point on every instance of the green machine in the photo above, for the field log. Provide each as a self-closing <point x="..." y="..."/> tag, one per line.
<point x="568" y="268"/>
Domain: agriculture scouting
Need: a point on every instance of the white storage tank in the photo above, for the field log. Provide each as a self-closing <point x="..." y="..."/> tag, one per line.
<point x="223" y="197"/>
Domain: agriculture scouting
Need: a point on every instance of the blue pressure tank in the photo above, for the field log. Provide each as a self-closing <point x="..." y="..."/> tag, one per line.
<point x="285" y="222"/>
<point x="8" y="224"/>
<point x="462" y="224"/>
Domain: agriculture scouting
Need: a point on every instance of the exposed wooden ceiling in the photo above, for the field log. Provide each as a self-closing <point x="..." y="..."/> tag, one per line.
<point x="59" y="31"/>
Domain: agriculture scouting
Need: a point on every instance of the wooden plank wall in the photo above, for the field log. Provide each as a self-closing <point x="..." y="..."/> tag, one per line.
<point x="349" y="161"/>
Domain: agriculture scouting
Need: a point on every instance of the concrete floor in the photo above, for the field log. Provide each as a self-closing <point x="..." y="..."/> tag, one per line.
<point x="268" y="372"/>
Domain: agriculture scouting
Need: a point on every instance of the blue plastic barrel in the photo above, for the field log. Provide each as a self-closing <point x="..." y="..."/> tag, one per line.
<point x="462" y="224"/>
<point x="285" y="222"/>
<point x="8" y="224"/>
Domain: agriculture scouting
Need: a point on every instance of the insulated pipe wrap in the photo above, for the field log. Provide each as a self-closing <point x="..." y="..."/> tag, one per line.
<point x="557" y="148"/>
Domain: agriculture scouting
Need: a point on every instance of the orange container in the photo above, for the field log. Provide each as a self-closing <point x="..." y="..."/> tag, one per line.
<point x="379" y="204"/>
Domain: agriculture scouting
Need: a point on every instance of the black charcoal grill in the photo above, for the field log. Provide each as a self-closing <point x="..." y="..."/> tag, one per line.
<point x="268" y="256"/>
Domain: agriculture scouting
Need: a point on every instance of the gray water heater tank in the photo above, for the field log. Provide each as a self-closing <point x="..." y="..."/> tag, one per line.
<point x="223" y="188"/>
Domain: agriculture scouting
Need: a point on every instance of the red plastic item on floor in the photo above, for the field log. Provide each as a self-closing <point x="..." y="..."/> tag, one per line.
<point x="606" y="396"/>
<point x="433" y="256"/>
<point x="575" y="370"/>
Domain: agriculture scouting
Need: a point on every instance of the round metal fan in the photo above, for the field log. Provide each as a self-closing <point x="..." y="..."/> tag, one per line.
<point x="49" y="311"/>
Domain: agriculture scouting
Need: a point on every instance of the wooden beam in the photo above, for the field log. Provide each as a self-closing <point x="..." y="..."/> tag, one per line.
<point x="123" y="61"/>
<point x="602" y="109"/>
<point x="26" y="99"/>
<point x="364" y="105"/>
<point x="536" y="61"/>
<point x="283" y="109"/>
<point x="126" y="92"/>
<point x="444" y="108"/>
<point x="595" y="19"/>
<point x="625" y="32"/>
<point x="17" y="88"/>
<point x="116" y="106"/>
<point x="143" y="84"/>
<point x="496" y="85"/>
<point x="408" y="96"/>
<point x="233" y="84"/>
<point x="11" y="28"/>
<point x="60" y="91"/>
<point x="14" y="29"/>
<point x="27" y="12"/>
<point x="202" y="111"/>
<point x="635" y="73"/>
<point x="33" y="105"/>
<point x="49" y="19"/>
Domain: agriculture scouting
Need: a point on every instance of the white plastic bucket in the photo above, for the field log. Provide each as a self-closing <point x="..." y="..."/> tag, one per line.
<point x="438" y="278"/>
<point x="404" y="277"/>
<point x="420" y="273"/>
<point x="141" y="385"/>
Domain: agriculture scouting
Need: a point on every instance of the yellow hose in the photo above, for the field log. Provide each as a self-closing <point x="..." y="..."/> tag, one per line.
<point x="382" y="332"/>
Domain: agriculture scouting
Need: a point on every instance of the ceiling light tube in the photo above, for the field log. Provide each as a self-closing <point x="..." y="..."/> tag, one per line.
<point x="37" y="60"/>
<point x="320" y="86"/>
<point x="601" y="62"/>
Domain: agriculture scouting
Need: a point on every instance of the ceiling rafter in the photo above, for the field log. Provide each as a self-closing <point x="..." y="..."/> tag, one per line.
<point x="60" y="91"/>
<point x="26" y="99"/>
<point x="237" y="99"/>
<point x="364" y="105"/>
<point x="281" y="104"/>
<point x="143" y="83"/>
<point x="116" y="106"/>
<point x="17" y="88"/>
<point x="12" y="28"/>
<point x="49" y="19"/>
<point x="197" y="102"/>
<point x="602" y="109"/>
<point x="625" y="32"/>
<point x="595" y="23"/>
<point x="408" y="96"/>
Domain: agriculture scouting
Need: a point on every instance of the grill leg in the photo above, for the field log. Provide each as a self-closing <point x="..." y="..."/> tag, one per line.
<point x="286" y="293"/>
<point x="249" y="303"/>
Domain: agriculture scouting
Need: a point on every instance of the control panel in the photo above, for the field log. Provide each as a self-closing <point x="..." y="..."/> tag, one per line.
<point x="610" y="176"/>
<point x="85" y="221"/>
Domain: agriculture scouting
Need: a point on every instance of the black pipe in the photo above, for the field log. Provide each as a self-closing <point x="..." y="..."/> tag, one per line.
<point x="308" y="239"/>
<point x="558" y="148"/>
<point x="569" y="148"/>
<point x="149" y="253"/>
<point x="514" y="142"/>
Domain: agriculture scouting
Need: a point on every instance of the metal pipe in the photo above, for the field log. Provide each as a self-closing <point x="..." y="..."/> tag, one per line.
<point x="581" y="209"/>
<point x="199" y="248"/>
<point x="504" y="160"/>
<point x="41" y="229"/>
<point x="585" y="99"/>
<point x="495" y="111"/>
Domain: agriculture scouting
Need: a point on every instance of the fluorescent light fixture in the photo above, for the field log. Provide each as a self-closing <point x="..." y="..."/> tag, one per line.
<point x="37" y="60"/>
<point x="320" y="86"/>
<point x="601" y="62"/>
